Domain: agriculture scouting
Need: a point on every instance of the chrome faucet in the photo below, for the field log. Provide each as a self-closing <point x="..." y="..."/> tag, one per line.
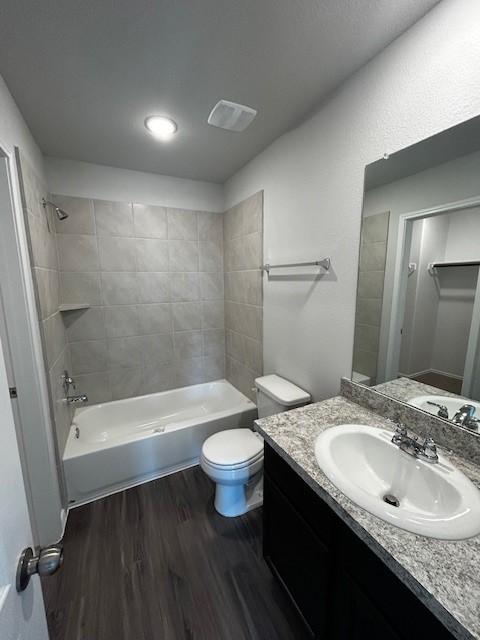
<point x="465" y="417"/>
<point x="442" y="409"/>
<point x="68" y="382"/>
<point x="426" y="451"/>
<point x="77" y="399"/>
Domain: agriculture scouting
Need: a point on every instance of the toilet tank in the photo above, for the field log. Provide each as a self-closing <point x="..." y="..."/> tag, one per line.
<point x="275" y="394"/>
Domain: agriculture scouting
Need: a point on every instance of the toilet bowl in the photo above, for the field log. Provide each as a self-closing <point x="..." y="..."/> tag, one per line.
<point x="233" y="459"/>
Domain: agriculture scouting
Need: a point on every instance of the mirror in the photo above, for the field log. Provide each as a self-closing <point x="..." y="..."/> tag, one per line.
<point x="417" y="323"/>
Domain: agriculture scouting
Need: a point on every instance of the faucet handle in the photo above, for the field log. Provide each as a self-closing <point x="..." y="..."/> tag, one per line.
<point x="400" y="433"/>
<point x="429" y="450"/>
<point x="442" y="409"/>
<point x="68" y="382"/>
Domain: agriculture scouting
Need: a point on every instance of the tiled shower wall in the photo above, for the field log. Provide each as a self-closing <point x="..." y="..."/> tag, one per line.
<point x="243" y="240"/>
<point x="153" y="277"/>
<point x="43" y="254"/>
<point x="373" y="252"/>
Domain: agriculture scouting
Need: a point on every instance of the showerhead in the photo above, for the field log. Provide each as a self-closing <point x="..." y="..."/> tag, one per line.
<point x="61" y="214"/>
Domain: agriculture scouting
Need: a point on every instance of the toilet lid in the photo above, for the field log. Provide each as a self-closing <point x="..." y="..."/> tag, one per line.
<point x="233" y="447"/>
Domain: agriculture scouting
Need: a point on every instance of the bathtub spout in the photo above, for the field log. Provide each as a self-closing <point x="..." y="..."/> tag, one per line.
<point x="77" y="399"/>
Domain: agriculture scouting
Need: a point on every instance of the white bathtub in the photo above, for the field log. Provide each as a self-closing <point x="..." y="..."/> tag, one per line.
<point x="127" y="442"/>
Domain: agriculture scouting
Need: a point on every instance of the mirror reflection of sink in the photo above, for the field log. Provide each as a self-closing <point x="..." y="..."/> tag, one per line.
<point x="435" y="500"/>
<point x="452" y="403"/>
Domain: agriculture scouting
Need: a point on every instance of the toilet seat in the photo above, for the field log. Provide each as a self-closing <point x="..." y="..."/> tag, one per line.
<point x="239" y="465"/>
<point x="233" y="449"/>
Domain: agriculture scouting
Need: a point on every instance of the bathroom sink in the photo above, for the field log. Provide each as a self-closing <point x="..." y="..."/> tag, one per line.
<point x="452" y="404"/>
<point x="435" y="500"/>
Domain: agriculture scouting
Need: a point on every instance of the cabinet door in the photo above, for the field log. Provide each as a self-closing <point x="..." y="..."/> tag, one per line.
<point x="355" y="616"/>
<point x="297" y="557"/>
<point x="371" y="602"/>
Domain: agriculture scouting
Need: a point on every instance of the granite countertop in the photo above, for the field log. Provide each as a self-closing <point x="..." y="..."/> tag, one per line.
<point x="445" y="575"/>
<point x="405" y="389"/>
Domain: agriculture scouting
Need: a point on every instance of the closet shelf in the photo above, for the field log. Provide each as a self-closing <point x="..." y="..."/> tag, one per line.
<point x="73" y="307"/>
<point x="453" y="263"/>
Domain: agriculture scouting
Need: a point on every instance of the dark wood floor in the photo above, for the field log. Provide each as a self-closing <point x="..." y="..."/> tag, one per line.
<point x="157" y="562"/>
<point x="441" y="381"/>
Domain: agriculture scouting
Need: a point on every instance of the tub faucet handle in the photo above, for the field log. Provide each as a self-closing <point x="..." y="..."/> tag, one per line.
<point x="68" y="382"/>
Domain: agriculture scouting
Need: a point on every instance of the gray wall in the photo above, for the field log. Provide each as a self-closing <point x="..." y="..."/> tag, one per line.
<point x="373" y="251"/>
<point x="154" y="279"/>
<point x="43" y="253"/>
<point x="243" y="238"/>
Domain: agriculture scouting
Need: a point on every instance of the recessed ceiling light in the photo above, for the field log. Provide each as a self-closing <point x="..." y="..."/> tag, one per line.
<point x="161" y="127"/>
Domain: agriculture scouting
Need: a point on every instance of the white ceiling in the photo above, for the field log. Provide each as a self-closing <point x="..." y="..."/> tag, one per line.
<point x="85" y="73"/>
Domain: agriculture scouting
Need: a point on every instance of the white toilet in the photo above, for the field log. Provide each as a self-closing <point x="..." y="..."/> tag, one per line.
<point x="233" y="459"/>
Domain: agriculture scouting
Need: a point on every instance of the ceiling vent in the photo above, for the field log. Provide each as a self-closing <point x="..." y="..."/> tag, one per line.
<point x="231" y="116"/>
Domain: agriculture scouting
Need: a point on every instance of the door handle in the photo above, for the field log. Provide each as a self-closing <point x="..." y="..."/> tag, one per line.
<point x="47" y="562"/>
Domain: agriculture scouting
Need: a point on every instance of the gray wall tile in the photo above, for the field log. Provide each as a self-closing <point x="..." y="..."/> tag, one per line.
<point x="80" y="215"/>
<point x="373" y="251"/>
<point x="369" y="311"/>
<point x="211" y="256"/>
<point x="188" y="344"/>
<point x="150" y="221"/>
<point x="124" y="352"/>
<point x="372" y="256"/>
<point x="210" y="226"/>
<point x="213" y="314"/>
<point x="85" y="324"/>
<point x="189" y="371"/>
<point x="48" y="287"/>
<point x="80" y="288"/>
<point x="157" y="293"/>
<point x="77" y="252"/>
<point x="117" y="254"/>
<point x="213" y="342"/>
<point x="187" y="316"/>
<point x="156" y="349"/>
<point x="153" y="287"/>
<point x="95" y="385"/>
<point x="61" y="411"/>
<point x="213" y="368"/>
<point x="42" y="240"/>
<point x="54" y="336"/>
<point x="113" y="218"/>
<point x="182" y="224"/>
<point x="185" y="287"/>
<point x="154" y="318"/>
<point x="40" y="228"/>
<point x="241" y="377"/>
<point x="244" y="319"/>
<point x="126" y="383"/>
<point x="89" y="356"/>
<point x="152" y="255"/>
<point x="183" y="255"/>
<point x="121" y="321"/>
<point x="375" y="228"/>
<point x="211" y="286"/>
<point x="243" y="255"/>
<point x="158" y="378"/>
<point x="120" y="288"/>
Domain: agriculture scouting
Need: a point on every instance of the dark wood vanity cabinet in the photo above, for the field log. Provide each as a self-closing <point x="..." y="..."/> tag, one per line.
<point x="341" y="588"/>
